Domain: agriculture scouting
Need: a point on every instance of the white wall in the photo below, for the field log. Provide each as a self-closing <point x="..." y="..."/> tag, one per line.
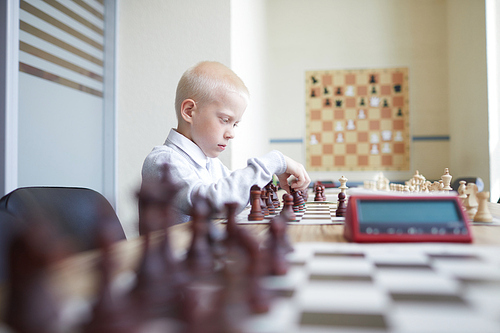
<point x="493" y="58"/>
<point x="339" y="34"/>
<point x="248" y="60"/>
<point x="157" y="41"/>
<point x="468" y="89"/>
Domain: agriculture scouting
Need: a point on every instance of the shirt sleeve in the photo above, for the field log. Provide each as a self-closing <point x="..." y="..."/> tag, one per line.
<point x="232" y="187"/>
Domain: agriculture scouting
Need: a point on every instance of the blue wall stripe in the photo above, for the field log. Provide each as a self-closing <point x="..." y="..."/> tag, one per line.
<point x="291" y="140"/>
<point x="432" y="138"/>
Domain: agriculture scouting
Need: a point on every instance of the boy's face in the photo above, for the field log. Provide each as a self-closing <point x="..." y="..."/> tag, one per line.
<point x="213" y="124"/>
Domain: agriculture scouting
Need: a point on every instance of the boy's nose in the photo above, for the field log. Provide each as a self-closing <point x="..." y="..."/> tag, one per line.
<point x="229" y="133"/>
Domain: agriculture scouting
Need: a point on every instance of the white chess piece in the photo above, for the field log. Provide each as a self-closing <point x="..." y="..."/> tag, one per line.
<point x="374" y="150"/>
<point x="343" y="182"/>
<point x="446" y="180"/>
<point x="483" y="213"/>
<point x="386" y="148"/>
<point x="350" y="125"/>
<point x="386" y="135"/>
<point x="314" y="141"/>
<point x="374" y="101"/>
<point x="399" y="136"/>
<point x="361" y="114"/>
<point x="374" y="138"/>
<point x="349" y="91"/>
<point x="338" y="126"/>
<point x="340" y="138"/>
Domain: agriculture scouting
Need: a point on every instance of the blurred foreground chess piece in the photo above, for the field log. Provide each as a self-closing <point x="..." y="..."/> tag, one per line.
<point x="32" y="302"/>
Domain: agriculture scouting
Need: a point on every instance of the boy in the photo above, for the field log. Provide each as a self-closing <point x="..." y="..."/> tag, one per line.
<point x="210" y="101"/>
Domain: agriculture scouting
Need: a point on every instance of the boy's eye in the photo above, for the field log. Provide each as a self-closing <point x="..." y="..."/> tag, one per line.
<point x="225" y="120"/>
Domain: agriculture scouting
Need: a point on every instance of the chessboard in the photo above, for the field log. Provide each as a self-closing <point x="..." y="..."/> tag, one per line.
<point x="357" y="120"/>
<point x="305" y="212"/>
<point x="323" y="212"/>
<point x="339" y="287"/>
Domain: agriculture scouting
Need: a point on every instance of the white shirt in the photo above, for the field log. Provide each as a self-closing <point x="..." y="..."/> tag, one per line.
<point x="197" y="174"/>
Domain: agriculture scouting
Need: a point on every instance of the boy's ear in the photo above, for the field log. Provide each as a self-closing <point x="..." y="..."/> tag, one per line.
<point x="187" y="108"/>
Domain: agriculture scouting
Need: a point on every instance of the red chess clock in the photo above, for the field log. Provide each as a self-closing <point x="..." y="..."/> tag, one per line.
<point x="406" y="218"/>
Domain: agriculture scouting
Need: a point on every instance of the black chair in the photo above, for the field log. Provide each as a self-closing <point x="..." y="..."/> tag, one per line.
<point x="476" y="180"/>
<point x="75" y="211"/>
<point x="9" y="227"/>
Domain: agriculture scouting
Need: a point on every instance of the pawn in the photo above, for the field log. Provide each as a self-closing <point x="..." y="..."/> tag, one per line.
<point x="277" y="247"/>
<point x="318" y="189"/>
<point x="483" y="214"/>
<point x="287" y="210"/>
<point x="298" y="201"/>
<point x="269" y="201"/>
<point x="341" y="208"/>
<point x="256" y="210"/>
<point x="199" y="259"/>
<point x="263" y="202"/>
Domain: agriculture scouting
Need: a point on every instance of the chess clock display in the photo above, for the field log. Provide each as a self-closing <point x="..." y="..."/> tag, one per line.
<point x="406" y="218"/>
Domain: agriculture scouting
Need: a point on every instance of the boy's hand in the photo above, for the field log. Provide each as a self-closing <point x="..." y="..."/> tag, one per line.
<point x="293" y="168"/>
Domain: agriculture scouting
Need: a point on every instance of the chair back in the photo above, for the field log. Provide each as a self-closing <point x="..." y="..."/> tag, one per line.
<point x="9" y="228"/>
<point x="75" y="211"/>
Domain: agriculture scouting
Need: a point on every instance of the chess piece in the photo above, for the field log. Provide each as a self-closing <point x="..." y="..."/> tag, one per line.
<point x="256" y="210"/>
<point x="340" y="138"/>
<point x="287" y="210"/>
<point x="263" y="202"/>
<point x="338" y="126"/>
<point x="277" y="247"/>
<point x="461" y="193"/>
<point x="298" y="201"/>
<point x="471" y="203"/>
<point x="199" y="259"/>
<point x="350" y="125"/>
<point x="113" y="312"/>
<point x="156" y="198"/>
<point x="341" y="208"/>
<point x="343" y="181"/>
<point x="276" y="200"/>
<point x="446" y="180"/>
<point x="483" y="214"/>
<point x="318" y="190"/>
<point x="31" y="301"/>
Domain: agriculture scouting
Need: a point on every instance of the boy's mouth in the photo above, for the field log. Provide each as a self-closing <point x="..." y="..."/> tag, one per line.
<point x="222" y="147"/>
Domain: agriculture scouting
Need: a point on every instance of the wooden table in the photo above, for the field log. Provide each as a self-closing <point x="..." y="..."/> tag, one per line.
<point x="77" y="275"/>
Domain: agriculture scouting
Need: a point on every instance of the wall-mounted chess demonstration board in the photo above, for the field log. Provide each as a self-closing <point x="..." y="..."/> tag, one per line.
<point x="357" y="120"/>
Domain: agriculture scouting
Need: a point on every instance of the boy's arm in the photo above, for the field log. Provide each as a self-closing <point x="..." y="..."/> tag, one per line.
<point x="233" y="187"/>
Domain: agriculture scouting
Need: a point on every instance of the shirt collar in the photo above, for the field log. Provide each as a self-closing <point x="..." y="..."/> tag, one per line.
<point x="188" y="146"/>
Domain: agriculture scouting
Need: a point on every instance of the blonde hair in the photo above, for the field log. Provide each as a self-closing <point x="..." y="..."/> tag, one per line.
<point x="205" y="82"/>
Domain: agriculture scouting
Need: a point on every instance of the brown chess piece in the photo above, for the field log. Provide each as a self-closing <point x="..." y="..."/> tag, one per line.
<point x="318" y="193"/>
<point x="287" y="210"/>
<point x="341" y="208"/>
<point x="263" y="202"/>
<point x="276" y="247"/>
<point x="31" y="301"/>
<point x="256" y="210"/>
